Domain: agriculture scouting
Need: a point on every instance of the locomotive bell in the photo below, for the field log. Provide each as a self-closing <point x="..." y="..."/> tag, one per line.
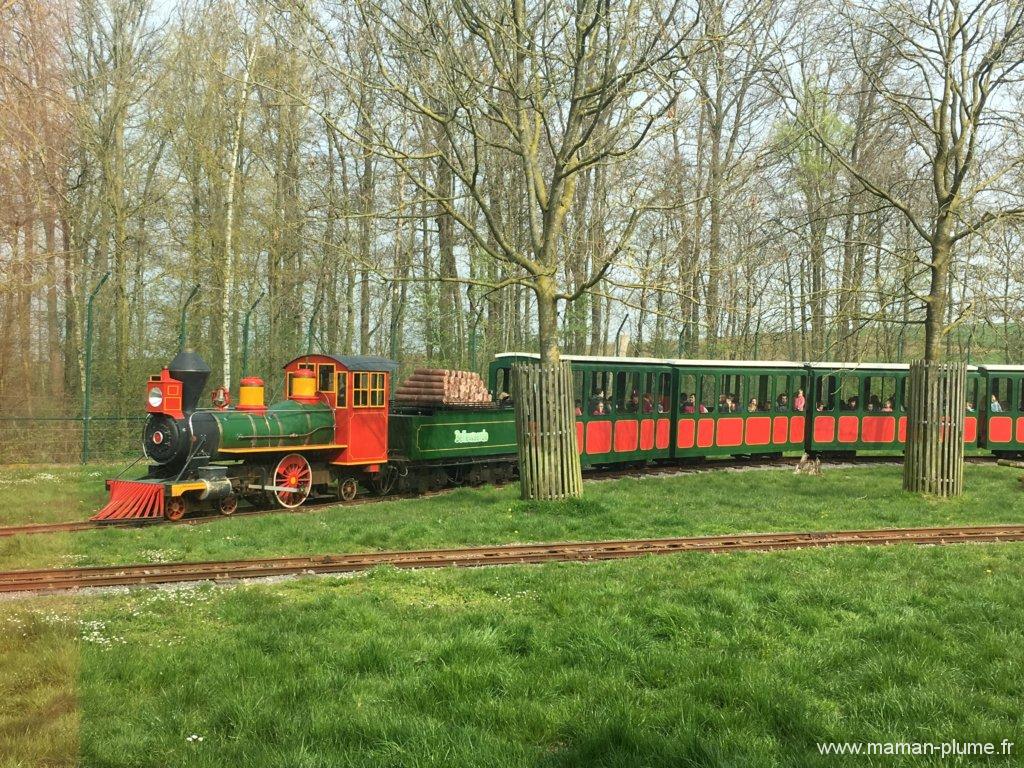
<point x="190" y="369"/>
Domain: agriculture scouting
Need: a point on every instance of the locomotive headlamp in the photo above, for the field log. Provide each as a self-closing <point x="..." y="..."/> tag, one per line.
<point x="156" y="397"/>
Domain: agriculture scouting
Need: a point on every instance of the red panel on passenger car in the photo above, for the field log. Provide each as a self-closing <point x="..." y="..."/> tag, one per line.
<point x="646" y="434"/>
<point x="625" y="436"/>
<point x="684" y="433"/>
<point x="1000" y="429"/>
<point x="705" y="433"/>
<point x="1020" y="430"/>
<point x="824" y="429"/>
<point x="879" y="429"/>
<point x="780" y="429"/>
<point x="971" y="429"/>
<point x="662" y="435"/>
<point x="796" y="429"/>
<point x="902" y="430"/>
<point x="759" y="430"/>
<point x="599" y="437"/>
<point x="730" y="432"/>
<point x="579" y="437"/>
<point x="849" y="427"/>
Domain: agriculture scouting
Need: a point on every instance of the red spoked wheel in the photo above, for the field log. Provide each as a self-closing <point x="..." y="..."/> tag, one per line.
<point x="293" y="480"/>
<point x="175" y="509"/>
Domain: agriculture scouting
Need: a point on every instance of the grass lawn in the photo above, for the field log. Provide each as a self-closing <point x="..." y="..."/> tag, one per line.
<point x="720" y="502"/>
<point x="690" y="660"/>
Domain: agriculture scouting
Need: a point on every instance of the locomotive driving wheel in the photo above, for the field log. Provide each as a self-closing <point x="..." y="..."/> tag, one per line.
<point x="293" y="480"/>
<point x="175" y="508"/>
<point x="228" y="505"/>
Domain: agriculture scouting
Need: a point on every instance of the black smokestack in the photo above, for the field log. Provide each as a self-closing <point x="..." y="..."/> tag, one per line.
<point x="192" y="372"/>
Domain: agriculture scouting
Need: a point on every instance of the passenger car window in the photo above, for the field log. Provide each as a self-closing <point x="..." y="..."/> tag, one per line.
<point x="971" y="398"/>
<point x="664" y="393"/>
<point x="1000" y="394"/>
<point x="687" y="394"/>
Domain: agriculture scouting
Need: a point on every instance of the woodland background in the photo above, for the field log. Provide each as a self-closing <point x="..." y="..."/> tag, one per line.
<point x="248" y="147"/>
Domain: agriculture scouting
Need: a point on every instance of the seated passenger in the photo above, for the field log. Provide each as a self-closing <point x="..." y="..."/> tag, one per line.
<point x="752" y="405"/>
<point x="970" y="407"/>
<point x="689" y="404"/>
<point x="648" y="403"/>
<point x="579" y="408"/>
<point x="888" y="407"/>
<point x="703" y="408"/>
<point x="820" y="406"/>
<point x="799" y="402"/>
<point x="874" y="404"/>
<point x="634" y="403"/>
<point x="723" y="403"/>
<point x="995" y="406"/>
<point x="782" y="402"/>
<point x="599" y="409"/>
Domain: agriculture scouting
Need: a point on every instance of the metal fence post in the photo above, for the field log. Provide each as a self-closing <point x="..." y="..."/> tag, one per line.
<point x="87" y="395"/>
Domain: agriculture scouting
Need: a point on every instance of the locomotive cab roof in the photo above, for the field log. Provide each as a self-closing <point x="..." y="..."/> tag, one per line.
<point x="354" y="362"/>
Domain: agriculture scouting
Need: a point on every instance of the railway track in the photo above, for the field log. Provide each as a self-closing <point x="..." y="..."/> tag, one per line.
<point x="67" y="579"/>
<point x="662" y="470"/>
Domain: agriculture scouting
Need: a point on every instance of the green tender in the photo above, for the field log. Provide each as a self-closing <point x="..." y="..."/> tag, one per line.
<point x="452" y="434"/>
<point x="285" y="424"/>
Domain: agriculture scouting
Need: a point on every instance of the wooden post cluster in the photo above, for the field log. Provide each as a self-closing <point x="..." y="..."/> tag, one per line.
<point x="936" y="403"/>
<point x="549" y="464"/>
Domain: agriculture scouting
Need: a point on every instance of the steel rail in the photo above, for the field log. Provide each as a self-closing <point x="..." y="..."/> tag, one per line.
<point x="65" y="579"/>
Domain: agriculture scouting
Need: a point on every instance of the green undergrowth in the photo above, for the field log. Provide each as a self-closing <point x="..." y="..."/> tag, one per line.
<point x="686" y="660"/>
<point x="709" y="503"/>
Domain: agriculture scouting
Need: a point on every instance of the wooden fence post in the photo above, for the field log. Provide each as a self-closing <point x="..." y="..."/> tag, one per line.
<point x="549" y="465"/>
<point x="936" y="402"/>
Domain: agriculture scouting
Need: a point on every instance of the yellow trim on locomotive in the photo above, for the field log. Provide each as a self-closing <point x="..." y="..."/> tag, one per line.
<point x="285" y="448"/>
<point x="179" y="489"/>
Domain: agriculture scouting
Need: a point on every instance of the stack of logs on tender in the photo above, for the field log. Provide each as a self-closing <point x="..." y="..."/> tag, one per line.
<point x="441" y="387"/>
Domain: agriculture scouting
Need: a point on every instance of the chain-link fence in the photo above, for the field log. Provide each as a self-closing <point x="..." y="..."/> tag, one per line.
<point x="61" y="439"/>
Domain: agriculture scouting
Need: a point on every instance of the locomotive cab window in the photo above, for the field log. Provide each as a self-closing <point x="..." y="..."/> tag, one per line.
<point x="367" y="390"/>
<point x="342" y="389"/>
<point x="325" y="374"/>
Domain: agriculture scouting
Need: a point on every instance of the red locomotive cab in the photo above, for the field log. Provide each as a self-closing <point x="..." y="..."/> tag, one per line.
<point x="358" y="389"/>
<point x="164" y="395"/>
